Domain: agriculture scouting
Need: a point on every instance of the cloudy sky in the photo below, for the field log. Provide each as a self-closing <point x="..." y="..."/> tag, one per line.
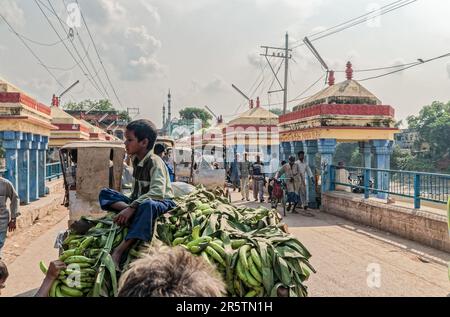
<point x="198" y="48"/>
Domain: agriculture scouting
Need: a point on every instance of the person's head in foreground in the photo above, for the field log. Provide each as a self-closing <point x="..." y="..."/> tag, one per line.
<point x="3" y="275"/>
<point x="171" y="272"/>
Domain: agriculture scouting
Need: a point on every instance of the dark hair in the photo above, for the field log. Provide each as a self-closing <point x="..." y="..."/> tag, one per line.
<point x="170" y="272"/>
<point x="301" y="152"/>
<point x="3" y="271"/>
<point x="143" y="129"/>
<point x="283" y="162"/>
<point x="159" y="148"/>
<point x="81" y="226"/>
<point x="291" y="158"/>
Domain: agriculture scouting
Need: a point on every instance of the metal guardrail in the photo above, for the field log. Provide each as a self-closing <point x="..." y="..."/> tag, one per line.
<point x="53" y="170"/>
<point x="416" y="185"/>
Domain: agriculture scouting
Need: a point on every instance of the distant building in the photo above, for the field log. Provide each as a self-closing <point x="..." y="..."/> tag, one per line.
<point x="108" y="121"/>
<point x="408" y="139"/>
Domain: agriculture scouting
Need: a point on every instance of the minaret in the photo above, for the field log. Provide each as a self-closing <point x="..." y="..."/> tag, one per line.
<point x="169" y="112"/>
<point x="164" y="117"/>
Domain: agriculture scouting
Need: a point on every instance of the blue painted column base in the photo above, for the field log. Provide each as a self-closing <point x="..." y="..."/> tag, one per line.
<point x="382" y="150"/>
<point x="286" y="146"/>
<point x="365" y="148"/>
<point x="310" y="148"/>
<point x="24" y="169"/>
<point x="43" y="146"/>
<point x="327" y="148"/>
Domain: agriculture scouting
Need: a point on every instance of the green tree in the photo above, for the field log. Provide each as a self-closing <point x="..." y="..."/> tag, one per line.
<point x="433" y="127"/>
<point x="344" y="153"/>
<point x="191" y="113"/>
<point x="96" y="105"/>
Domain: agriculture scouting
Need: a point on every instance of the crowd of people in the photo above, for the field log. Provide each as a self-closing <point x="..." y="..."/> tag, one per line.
<point x="294" y="174"/>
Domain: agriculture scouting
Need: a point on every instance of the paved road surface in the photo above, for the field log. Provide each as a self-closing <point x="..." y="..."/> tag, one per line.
<point x="24" y="272"/>
<point x="342" y="252"/>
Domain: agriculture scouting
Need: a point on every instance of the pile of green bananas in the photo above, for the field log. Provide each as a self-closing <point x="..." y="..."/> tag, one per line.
<point x="247" y="246"/>
<point x="90" y="269"/>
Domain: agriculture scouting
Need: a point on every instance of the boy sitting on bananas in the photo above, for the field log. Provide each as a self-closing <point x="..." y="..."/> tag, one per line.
<point x="152" y="192"/>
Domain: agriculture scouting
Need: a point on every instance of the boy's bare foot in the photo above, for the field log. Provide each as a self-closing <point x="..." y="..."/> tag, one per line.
<point x="123" y="218"/>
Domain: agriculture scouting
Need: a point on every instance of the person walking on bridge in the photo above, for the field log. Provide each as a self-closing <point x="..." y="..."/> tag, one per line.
<point x="257" y="173"/>
<point x="291" y="172"/>
<point x="7" y="218"/>
<point x="244" y="169"/>
<point x="304" y="172"/>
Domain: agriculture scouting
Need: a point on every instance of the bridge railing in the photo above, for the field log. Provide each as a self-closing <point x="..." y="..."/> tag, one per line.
<point x="53" y="170"/>
<point x="418" y="186"/>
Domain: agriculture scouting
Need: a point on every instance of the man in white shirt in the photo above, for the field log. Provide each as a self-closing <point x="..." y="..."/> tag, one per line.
<point x="304" y="172"/>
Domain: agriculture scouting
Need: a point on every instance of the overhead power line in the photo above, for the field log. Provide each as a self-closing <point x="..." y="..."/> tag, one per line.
<point x="40" y="43"/>
<point x="358" y="20"/>
<point x="307" y="89"/>
<point x="32" y="52"/>
<point x="408" y="67"/>
<point x="99" y="58"/>
<point x="94" y="78"/>
<point x="39" y="3"/>
<point x="378" y="68"/>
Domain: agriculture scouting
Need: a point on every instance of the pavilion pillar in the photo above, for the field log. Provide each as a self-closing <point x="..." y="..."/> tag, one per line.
<point x="34" y="167"/>
<point x="286" y="150"/>
<point x="382" y="150"/>
<point x="326" y="148"/>
<point x="24" y="168"/>
<point x="311" y="149"/>
<point x="42" y="161"/>
<point x="365" y="148"/>
<point x="11" y="144"/>
<point x="298" y="146"/>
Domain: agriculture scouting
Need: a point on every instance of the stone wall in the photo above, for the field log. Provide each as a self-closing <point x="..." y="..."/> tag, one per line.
<point x="425" y="227"/>
<point x="43" y="207"/>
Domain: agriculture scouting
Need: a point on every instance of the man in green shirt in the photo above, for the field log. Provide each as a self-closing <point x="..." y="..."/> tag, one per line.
<point x="152" y="193"/>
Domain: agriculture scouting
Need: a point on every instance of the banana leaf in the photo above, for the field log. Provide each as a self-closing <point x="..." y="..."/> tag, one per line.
<point x="297" y="245"/>
<point x="267" y="272"/>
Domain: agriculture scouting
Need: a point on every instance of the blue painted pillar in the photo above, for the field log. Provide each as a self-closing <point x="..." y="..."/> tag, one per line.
<point x="240" y="149"/>
<point x="365" y="148"/>
<point x="286" y="150"/>
<point x="11" y="144"/>
<point x="24" y="168"/>
<point x="42" y="160"/>
<point x="34" y="168"/>
<point x="310" y="148"/>
<point x="326" y="148"/>
<point x="382" y="150"/>
<point x="298" y="146"/>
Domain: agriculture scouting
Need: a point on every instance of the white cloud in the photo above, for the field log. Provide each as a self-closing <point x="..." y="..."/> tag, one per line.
<point x="215" y="86"/>
<point x="255" y="59"/>
<point x="218" y="85"/>
<point x="13" y="13"/>
<point x="115" y="10"/>
<point x="152" y="10"/>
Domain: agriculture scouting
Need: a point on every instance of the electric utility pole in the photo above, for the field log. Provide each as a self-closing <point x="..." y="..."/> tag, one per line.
<point x="286" y="56"/>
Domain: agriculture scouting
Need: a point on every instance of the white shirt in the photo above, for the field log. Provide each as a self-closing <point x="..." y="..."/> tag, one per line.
<point x="273" y="167"/>
<point x="304" y="168"/>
